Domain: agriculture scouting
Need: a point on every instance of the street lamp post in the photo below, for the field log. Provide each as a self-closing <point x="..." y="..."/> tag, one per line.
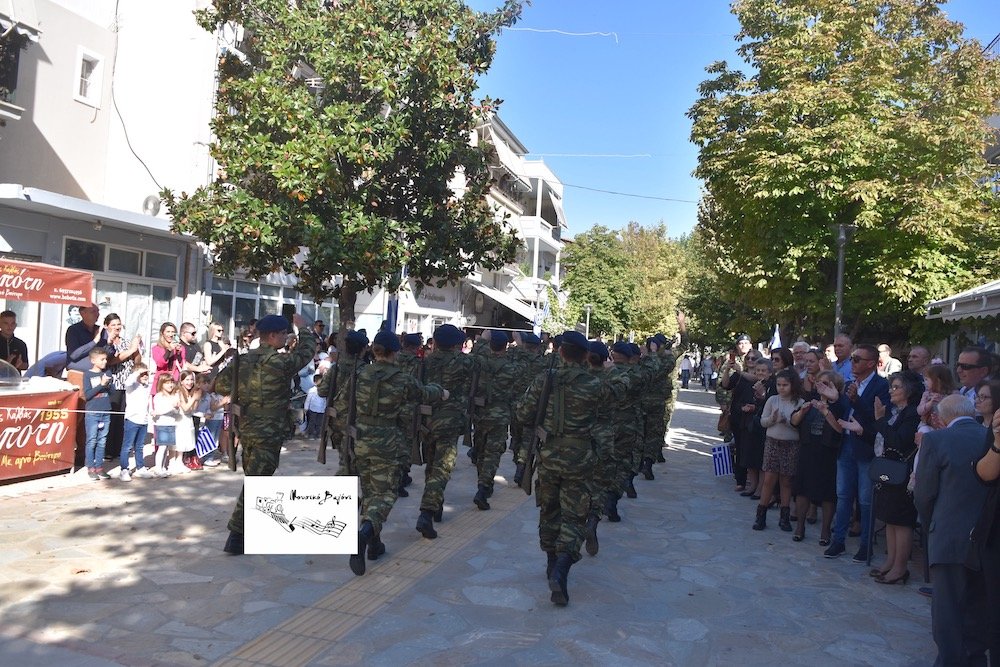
<point x="842" y="232"/>
<point x="588" y="307"/>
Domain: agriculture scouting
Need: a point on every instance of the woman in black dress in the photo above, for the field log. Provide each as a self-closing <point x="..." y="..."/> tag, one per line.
<point x="740" y="386"/>
<point x="820" y="435"/>
<point x="897" y="426"/>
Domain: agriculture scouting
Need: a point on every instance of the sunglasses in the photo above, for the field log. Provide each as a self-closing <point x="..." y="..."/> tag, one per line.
<point x="969" y="367"/>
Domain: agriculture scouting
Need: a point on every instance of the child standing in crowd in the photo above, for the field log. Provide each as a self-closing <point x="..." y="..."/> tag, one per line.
<point x="182" y="457"/>
<point x="165" y="415"/>
<point x="96" y="388"/>
<point x="315" y="406"/>
<point x="781" y="446"/>
<point x="136" y="421"/>
<point x="207" y="415"/>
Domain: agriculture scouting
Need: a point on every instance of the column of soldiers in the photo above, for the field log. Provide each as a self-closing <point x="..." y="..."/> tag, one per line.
<point x="587" y="419"/>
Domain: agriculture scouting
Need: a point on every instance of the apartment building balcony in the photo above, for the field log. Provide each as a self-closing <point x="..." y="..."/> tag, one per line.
<point x="533" y="227"/>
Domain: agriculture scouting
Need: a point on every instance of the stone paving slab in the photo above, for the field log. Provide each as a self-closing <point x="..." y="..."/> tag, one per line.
<point x="132" y="574"/>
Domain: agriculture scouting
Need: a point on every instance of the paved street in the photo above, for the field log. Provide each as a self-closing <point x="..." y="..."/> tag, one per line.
<point x="110" y="573"/>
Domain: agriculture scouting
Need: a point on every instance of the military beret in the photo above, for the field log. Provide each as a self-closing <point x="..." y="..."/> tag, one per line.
<point x="413" y="339"/>
<point x="575" y="338"/>
<point x="357" y="337"/>
<point x="448" y="335"/>
<point x="635" y="350"/>
<point x="272" y="324"/>
<point x="387" y="340"/>
<point x="623" y="348"/>
<point x="499" y="335"/>
<point x="530" y="339"/>
<point x="599" y="349"/>
<point x="660" y="339"/>
<point x="742" y="337"/>
<point x="557" y="340"/>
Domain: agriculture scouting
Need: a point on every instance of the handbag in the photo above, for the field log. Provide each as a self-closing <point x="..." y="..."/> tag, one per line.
<point x="724" y="425"/>
<point x="889" y="471"/>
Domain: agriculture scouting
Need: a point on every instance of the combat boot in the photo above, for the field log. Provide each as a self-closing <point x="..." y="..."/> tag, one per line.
<point x="590" y="538"/>
<point x="630" y="489"/>
<point x="234" y="543"/>
<point x="611" y="509"/>
<point x="480" y="498"/>
<point x="659" y="457"/>
<point x="425" y="524"/>
<point x="365" y="535"/>
<point x="558" y="579"/>
<point x="401" y="492"/>
<point x="761" y="522"/>
<point x="519" y="474"/>
<point x="551" y="555"/>
<point x="439" y="515"/>
<point x="784" y="522"/>
<point x="376" y="548"/>
<point x="646" y="468"/>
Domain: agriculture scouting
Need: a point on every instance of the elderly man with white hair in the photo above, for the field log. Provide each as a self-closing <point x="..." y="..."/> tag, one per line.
<point x="949" y="498"/>
<point x="799" y="349"/>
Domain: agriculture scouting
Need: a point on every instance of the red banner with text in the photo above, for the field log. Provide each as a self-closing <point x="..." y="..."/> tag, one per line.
<point x="37" y="433"/>
<point x="28" y="281"/>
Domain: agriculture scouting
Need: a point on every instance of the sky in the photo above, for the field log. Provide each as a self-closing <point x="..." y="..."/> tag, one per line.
<point x="607" y="111"/>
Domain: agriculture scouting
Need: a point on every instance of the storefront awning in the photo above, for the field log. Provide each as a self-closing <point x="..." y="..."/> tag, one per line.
<point x="981" y="301"/>
<point x="30" y="281"/>
<point x="507" y="301"/>
<point x="19" y="16"/>
<point x="557" y="205"/>
<point x="509" y="160"/>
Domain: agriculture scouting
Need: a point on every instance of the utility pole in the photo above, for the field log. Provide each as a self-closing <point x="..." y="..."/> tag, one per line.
<point x="588" y="307"/>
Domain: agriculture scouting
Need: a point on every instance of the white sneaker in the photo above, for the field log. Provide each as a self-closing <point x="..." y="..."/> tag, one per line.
<point x="143" y="473"/>
<point x="124" y="476"/>
<point x="161" y="472"/>
<point x="211" y="463"/>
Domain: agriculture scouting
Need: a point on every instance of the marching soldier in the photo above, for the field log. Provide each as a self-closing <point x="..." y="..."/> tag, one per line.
<point x="384" y="392"/>
<point x="265" y="381"/>
<point x="499" y="373"/>
<point x="447" y="367"/>
<point x="409" y="360"/>
<point x="627" y="421"/>
<point x="350" y="361"/>
<point x="528" y="353"/>
<point x="653" y="406"/>
<point x="565" y="458"/>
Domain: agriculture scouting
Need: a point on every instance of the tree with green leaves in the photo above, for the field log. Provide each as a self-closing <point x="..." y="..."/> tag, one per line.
<point x="599" y="273"/>
<point x="343" y="143"/>
<point x="658" y="270"/>
<point x="870" y="114"/>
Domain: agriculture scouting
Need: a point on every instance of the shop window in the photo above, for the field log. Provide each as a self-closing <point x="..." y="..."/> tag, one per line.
<point x="124" y="261"/>
<point x="84" y="255"/>
<point x="161" y="266"/>
<point x="222" y="285"/>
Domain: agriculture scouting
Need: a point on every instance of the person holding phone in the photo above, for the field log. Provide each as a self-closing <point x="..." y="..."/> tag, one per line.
<point x="83" y="337"/>
<point x="13" y="350"/>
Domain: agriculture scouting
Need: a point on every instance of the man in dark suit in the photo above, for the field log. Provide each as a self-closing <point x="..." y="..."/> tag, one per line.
<point x="949" y="498"/>
<point x="857" y="450"/>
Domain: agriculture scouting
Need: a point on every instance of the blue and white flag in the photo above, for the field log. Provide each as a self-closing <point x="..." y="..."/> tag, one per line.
<point x="204" y="443"/>
<point x="722" y="460"/>
<point x="775" y="339"/>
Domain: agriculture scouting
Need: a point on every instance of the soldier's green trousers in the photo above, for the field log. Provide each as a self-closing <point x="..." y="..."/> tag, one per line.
<point x="494" y="444"/>
<point x="654" y="429"/>
<point x="437" y="472"/>
<point x="562" y="493"/>
<point x="260" y="459"/>
<point x="378" y="455"/>
<point x="604" y="473"/>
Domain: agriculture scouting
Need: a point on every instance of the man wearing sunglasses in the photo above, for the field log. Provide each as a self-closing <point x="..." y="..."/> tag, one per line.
<point x="973" y="365"/>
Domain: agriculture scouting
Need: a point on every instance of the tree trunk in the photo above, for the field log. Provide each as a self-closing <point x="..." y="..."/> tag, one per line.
<point x="346" y="301"/>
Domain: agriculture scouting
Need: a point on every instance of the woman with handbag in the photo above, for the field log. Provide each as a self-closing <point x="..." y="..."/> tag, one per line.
<point x="897" y="428"/>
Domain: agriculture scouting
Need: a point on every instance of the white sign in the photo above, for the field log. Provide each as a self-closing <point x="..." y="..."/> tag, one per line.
<point x="301" y="515"/>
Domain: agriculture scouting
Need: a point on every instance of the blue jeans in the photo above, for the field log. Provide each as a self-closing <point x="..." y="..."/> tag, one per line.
<point x="852" y="481"/>
<point x="685" y="378"/>
<point x="97" y="436"/>
<point x="134" y="438"/>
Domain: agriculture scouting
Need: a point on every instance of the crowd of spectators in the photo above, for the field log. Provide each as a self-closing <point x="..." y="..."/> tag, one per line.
<point x="847" y="430"/>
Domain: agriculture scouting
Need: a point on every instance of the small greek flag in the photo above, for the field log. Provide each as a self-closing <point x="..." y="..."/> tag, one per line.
<point x="722" y="459"/>
<point x="204" y="443"/>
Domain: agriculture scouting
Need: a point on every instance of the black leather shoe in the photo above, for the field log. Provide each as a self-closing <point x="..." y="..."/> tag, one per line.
<point x="590" y="536"/>
<point x="558" y="579"/>
<point x="365" y="535"/>
<point x="519" y="474"/>
<point x="480" y="499"/>
<point x="376" y="548"/>
<point x="234" y="543"/>
<point x="425" y="524"/>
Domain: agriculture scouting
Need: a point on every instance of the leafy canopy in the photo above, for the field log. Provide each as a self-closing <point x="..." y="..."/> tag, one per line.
<point x="340" y="130"/>
<point x="869" y="113"/>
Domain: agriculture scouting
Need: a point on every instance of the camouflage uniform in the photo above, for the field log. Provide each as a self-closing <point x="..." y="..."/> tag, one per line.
<point x="409" y="363"/>
<point x="265" y="377"/>
<point x="566" y="458"/>
<point x="668" y="362"/>
<point x="653" y="407"/>
<point x="384" y="395"/>
<point x="347" y="363"/>
<point x="451" y="369"/>
<point x="499" y="376"/>
<point x="532" y="363"/>
<point x="605" y="479"/>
